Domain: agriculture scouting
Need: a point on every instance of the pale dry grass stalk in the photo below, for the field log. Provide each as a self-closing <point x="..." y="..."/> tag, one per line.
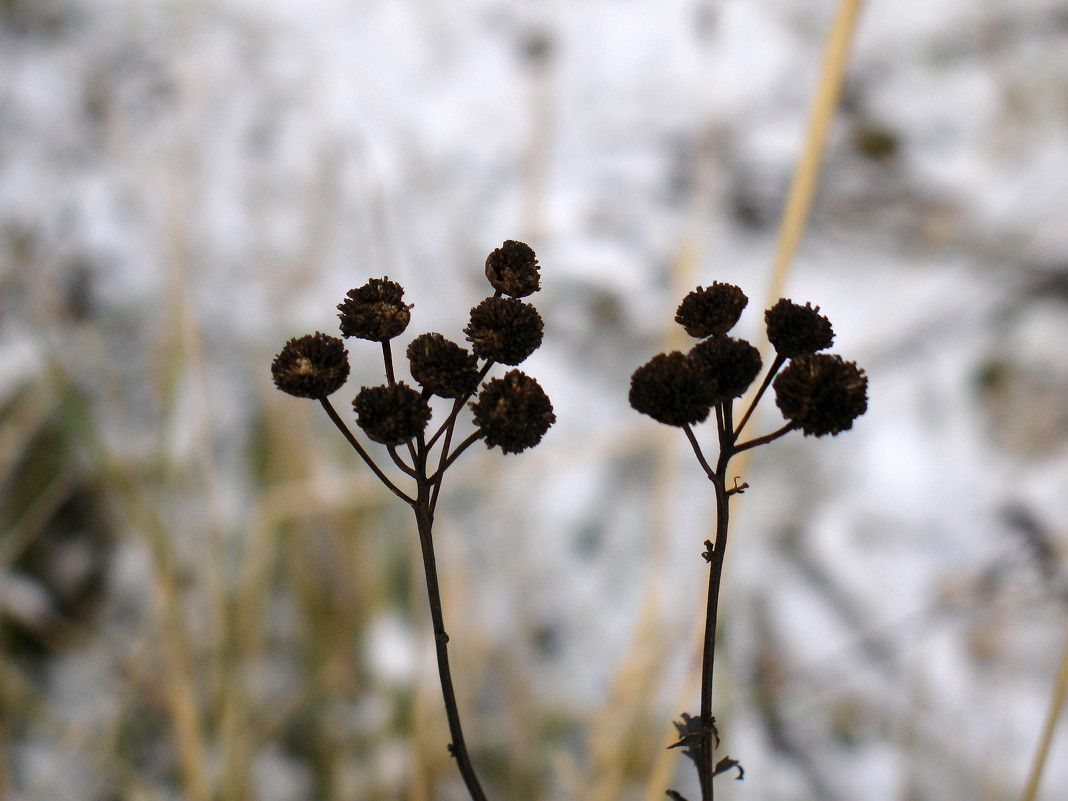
<point x="1056" y="706"/>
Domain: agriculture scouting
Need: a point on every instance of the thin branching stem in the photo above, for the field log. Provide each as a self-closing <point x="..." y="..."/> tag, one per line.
<point x="706" y="762"/>
<point x="450" y="421"/>
<point x="387" y="359"/>
<point x="775" y="366"/>
<point x="475" y="436"/>
<point x="355" y="443"/>
<point x="764" y="440"/>
<point x="697" y="452"/>
<point x="436" y="481"/>
<point x="401" y="464"/>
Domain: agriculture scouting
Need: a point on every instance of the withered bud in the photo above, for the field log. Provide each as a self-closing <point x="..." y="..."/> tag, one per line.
<point x="374" y="311"/>
<point x="504" y="330"/>
<point x="730" y="365"/>
<point x="512" y="269"/>
<point x="513" y="412"/>
<point x="821" y="393"/>
<point x="711" y="310"/>
<point x="311" y="366"/>
<point x="391" y="414"/>
<point x="671" y="390"/>
<point x="795" y="330"/>
<point x="442" y="367"/>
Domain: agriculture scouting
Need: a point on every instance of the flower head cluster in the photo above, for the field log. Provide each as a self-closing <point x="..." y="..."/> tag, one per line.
<point x="795" y="330"/>
<point x="442" y="367"/>
<point x="817" y="393"/>
<point x="391" y="414"/>
<point x="821" y="394"/>
<point x="374" y="311"/>
<point x="512" y="269"/>
<point x="708" y="311"/>
<point x="669" y="390"/>
<point x="512" y="412"/>
<point x="505" y="330"/>
<point x="311" y="366"/>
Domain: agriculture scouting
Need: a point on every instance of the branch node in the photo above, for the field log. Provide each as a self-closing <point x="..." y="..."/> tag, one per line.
<point x="709" y="549"/>
<point x="738" y="489"/>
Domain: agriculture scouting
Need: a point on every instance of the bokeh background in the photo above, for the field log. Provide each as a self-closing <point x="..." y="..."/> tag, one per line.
<point x="205" y="595"/>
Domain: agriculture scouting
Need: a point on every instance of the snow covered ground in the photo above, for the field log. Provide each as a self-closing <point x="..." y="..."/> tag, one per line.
<point x="185" y="185"/>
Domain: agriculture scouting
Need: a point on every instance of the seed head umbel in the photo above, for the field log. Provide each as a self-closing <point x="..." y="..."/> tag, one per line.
<point x="512" y="269"/>
<point x="821" y="393"/>
<point x="442" y="367"/>
<point x="795" y="330"/>
<point x="712" y="310"/>
<point x="729" y="365"/>
<point x="374" y="311"/>
<point x="504" y="330"/>
<point x="513" y="412"/>
<point x="311" y="366"/>
<point x="391" y="414"/>
<point x="671" y="390"/>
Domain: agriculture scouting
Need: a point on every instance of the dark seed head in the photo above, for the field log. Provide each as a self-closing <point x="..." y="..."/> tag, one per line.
<point x="711" y="310"/>
<point x="795" y="330"/>
<point x="512" y="269"/>
<point x="671" y="389"/>
<point x="374" y="311"/>
<point x="504" y="330"/>
<point x="391" y="414"/>
<point x="442" y="367"/>
<point x="311" y="366"/>
<point x="729" y="365"/>
<point x="821" y="393"/>
<point x="513" y="412"/>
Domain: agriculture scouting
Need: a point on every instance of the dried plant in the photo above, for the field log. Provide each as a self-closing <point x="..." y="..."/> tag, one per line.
<point x="817" y="393"/>
<point x="511" y="412"/>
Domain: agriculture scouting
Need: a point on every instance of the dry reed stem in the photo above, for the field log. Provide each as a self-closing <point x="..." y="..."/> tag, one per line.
<point x="633" y="680"/>
<point x="1056" y="706"/>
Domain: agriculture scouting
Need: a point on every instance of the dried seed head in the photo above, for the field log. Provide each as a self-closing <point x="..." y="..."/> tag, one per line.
<point x="821" y="393"/>
<point x="442" y="367"/>
<point x="711" y="310"/>
<point x="730" y="365"/>
<point x="311" y="366"/>
<point x="504" y="330"/>
<point x="374" y="311"/>
<point x="512" y="269"/>
<point x="513" y="412"/>
<point x="391" y="414"/>
<point x="795" y="330"/>
<point x="671" y="390"/>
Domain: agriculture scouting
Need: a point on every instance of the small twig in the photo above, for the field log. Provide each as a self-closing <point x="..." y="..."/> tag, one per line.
<point x="457" y="406"/>
<point x="475" y="436"/>
<point x="697" y="451"/>
<point x="387" y="359"/>
<point x="397" y="460"/>
<point x="764" y="440"/>
<point x="775" y="366"/>
<point x="355" y="443"/>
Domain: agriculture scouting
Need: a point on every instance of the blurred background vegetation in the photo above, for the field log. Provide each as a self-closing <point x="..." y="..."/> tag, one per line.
<point x="204" y="595"/>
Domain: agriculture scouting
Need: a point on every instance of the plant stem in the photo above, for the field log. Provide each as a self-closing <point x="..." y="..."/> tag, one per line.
<point x="355" y="443"/>
<point x="706" y="763"/>
<point x="764" y="440"/>
<point x="775" y="365"/>
<point x="424" y="520"/>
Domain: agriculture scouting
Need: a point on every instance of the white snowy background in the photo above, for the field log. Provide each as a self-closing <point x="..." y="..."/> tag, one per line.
<point x="185" y="185"/>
